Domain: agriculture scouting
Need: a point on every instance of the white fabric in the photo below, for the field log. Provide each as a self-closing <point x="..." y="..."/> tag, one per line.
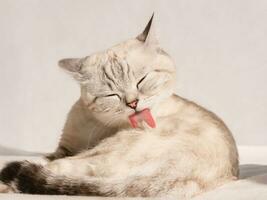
<point x="252" y="183"/>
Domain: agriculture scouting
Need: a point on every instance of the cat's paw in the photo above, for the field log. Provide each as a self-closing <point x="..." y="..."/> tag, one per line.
<point x="61" y="152"/>
<point x="51" y="156"/>
<point x="55" y="156"/>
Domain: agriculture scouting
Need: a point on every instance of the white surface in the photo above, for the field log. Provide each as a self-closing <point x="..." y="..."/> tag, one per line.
<point x="219" y="47"/>
<point x="252" y="188"/>
<point x="252" y="183"/>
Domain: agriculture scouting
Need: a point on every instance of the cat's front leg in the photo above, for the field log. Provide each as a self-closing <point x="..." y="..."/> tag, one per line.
<point x="81" y="131"/>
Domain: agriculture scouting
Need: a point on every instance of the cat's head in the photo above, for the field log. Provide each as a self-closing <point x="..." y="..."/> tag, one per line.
<point x="124" y="79"/>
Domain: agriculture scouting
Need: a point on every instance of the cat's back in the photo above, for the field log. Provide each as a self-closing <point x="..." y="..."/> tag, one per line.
<point x="194" y="114"/>
<point x="207" y="129"/>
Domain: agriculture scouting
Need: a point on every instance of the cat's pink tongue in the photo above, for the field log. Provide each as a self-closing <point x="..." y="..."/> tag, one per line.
<point x="144" y="115"/>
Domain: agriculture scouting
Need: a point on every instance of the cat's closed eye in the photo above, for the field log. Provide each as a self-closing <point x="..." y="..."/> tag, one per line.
<point x="113" y="95"/>
<point x="140" y="81"/>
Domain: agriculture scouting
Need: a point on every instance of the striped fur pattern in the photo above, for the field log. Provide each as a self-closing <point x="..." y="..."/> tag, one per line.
<point x="32" y="178"/>
<point x="189" y="152"/>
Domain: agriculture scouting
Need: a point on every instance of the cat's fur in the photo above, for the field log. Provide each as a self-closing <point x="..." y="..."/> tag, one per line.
<point x="190" y="150"/>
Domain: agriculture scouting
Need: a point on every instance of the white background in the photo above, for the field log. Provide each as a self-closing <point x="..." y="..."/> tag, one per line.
<point x="220" y="48"/>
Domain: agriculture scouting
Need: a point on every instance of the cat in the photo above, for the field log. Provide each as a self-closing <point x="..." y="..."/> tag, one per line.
<point x="129" y="135"/>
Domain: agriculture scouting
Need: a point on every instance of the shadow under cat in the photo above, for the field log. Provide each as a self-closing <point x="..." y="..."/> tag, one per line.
<point x="253" y="172"/>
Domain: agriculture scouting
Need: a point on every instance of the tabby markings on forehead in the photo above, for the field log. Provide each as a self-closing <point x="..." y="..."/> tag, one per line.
<point x="116" y="72"/>
<point x="109" y="79"/>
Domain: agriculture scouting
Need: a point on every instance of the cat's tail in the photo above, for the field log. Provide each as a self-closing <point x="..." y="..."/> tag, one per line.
<point x="26" y="177"/>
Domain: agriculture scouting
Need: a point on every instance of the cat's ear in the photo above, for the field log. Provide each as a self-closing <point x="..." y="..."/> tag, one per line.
<point x="72" y="65"/>
<point x="148" y="36"/>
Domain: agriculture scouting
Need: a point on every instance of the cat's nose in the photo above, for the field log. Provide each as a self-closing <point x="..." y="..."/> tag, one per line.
<point x="133" y="104"/>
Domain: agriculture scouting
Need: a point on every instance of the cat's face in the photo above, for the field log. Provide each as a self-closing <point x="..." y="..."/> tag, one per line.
<point x="127" y="78"/>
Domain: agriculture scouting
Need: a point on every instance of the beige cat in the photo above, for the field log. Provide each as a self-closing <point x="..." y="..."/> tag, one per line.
<point x="143" y="140"/>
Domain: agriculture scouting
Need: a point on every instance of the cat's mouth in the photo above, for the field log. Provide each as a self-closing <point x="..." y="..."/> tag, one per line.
<point x="140" y="116"/>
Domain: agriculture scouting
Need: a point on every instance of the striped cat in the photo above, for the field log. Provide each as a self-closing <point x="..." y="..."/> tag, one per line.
<point x="129" y="135"/>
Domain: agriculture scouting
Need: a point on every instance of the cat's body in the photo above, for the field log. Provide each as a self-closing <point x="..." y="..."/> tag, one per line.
<point x="82" y="131"/>
<point x="188" y="152"/>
